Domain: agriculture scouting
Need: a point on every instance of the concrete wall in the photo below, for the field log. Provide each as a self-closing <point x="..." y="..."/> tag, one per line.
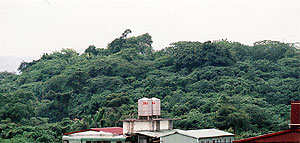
<point x="166" y="125"/>
<point x="134" y="126"/>
<point x="150" y="125"/>
<point x="178" y="138"/>
<point x="143" y="126"/>
<point x="126" y="127"/>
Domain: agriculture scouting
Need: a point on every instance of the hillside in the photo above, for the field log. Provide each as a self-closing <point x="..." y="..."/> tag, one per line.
<point x="219" y="84"/>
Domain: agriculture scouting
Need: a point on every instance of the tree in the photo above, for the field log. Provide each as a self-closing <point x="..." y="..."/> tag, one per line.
<point x="91" y="50"/>
<point x="195" y="54"/>
<point x="141" y="43"/>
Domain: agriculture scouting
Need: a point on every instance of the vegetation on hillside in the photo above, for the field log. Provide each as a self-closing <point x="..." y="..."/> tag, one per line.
<point x="216" y="84"/>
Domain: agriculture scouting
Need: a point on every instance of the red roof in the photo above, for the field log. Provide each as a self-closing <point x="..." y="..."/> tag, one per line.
<point x="266" y="136"/>
<point x="114" y="130"/>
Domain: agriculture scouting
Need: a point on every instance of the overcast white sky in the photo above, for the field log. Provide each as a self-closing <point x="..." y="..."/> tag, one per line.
<point x="29" y="28"/>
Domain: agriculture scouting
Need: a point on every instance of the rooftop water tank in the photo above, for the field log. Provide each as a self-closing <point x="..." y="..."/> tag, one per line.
<point x="155" y="106"/>
<point x="144" y="107"/>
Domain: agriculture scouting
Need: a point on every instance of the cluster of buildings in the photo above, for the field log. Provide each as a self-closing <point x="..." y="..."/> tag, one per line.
<point x="149" y="127"/>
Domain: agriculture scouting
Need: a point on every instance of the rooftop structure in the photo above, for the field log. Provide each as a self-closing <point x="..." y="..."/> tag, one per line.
<point x="148" y="118"/>
<point x="295" y="115"/>
<point x="136" y="125"/>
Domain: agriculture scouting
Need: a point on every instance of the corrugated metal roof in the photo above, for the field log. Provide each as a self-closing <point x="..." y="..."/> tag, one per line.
<point x="205" y="133"/>
<point x="202" y="133"/>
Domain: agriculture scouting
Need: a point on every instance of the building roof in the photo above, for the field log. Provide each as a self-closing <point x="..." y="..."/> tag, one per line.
<point x="113" y="130"/>
<point x="202" y="133"/>
<point x="266" y="136"/>
<point x="92" y="133"/>
<point x="157" y="134"/>
<point x="94" y="138"/>
<point x="205" y="133"/>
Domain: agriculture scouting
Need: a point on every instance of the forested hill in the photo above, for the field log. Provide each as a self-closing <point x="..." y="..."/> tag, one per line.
<point x="216" y="84"/>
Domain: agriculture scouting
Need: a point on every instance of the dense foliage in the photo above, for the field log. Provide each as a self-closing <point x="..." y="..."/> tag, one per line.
<point x="219" y="84"/>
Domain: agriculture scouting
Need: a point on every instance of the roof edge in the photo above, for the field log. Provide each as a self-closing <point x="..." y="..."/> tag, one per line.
<point x="266" y="135"/>
<point x="77" y="131"/>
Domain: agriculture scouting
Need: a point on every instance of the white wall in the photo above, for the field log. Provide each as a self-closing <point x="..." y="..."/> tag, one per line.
<point x="143" y="126"/>
<point x="150" y="125"/>
<point x="126" y="127"/>
<point x="165" y="125"/>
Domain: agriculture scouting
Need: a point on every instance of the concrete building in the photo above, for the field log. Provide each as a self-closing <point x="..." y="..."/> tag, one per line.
<point x="287" y="136"/>
<point x="148" y="118"/>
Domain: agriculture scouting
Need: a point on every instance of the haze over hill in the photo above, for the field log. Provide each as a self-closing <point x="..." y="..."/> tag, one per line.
<point x="33" y="27"/>
<point x="11" y="64"/>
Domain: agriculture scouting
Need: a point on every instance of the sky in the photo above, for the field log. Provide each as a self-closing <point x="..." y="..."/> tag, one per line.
<point x="29" y="28"/>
